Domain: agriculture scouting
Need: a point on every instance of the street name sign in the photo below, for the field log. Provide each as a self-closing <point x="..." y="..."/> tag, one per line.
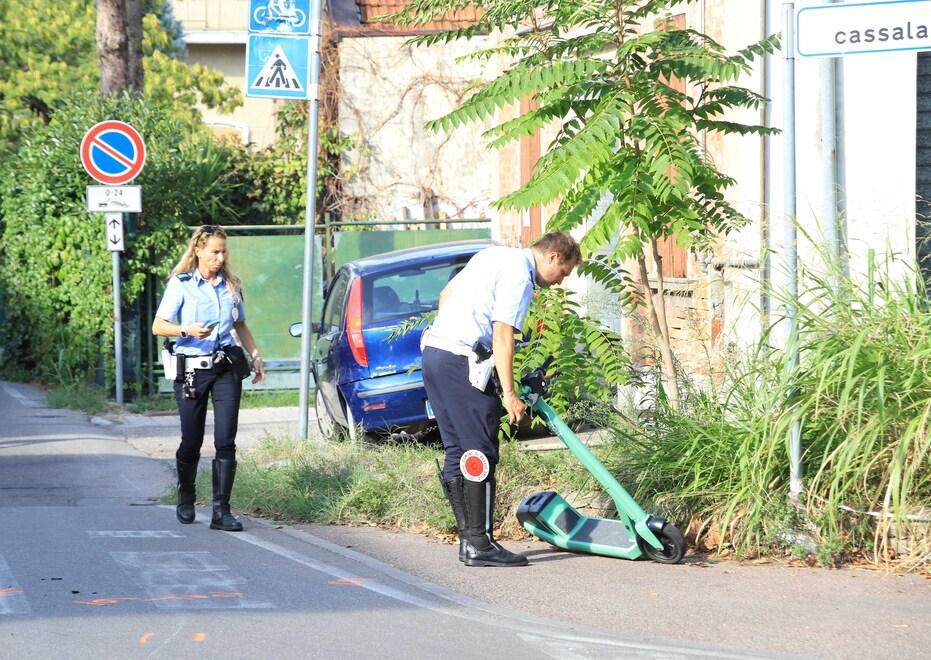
<point x="280" y="16"/>
<point x="114" y="231"/>
<point x="113" y="152"/>
<point x="122" y="199"/>
<point x="277" y="67"/>
<point x="866" y="27"/>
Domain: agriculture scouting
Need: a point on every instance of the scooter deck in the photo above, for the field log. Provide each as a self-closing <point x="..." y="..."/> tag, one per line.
<point x="549" y="517"/>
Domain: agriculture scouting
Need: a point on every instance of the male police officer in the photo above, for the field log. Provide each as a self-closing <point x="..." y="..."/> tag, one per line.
<point x="483" y="307"/>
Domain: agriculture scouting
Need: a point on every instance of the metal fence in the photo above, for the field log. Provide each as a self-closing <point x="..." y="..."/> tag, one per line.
<point x="269" y="260"/>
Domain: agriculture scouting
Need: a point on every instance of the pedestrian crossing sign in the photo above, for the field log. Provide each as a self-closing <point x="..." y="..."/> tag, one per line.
<point x="277" y="67"/>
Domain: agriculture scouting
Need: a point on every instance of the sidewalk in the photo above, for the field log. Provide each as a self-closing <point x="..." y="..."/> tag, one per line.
<point x="753" y="608"/>
<point x="158" y="435"/>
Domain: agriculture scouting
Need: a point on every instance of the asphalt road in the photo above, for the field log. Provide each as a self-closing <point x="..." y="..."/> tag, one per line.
<point x="91" y="566"/>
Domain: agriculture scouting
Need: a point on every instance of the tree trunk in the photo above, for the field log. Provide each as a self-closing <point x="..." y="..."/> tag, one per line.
<point x="656" y="310"/>
<point x="134" y="13"/>
<point x="119" y="45"/>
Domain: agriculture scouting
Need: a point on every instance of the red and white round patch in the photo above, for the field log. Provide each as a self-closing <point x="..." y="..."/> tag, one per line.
<point x="474" y="465"/>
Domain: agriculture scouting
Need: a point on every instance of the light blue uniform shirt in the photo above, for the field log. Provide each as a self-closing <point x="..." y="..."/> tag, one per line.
<point x="496" y="285"/>
<point x="189" y="298"/>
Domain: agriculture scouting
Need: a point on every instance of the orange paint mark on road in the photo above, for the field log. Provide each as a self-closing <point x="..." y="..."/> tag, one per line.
<point x="103" y="601"/>
<point x="9" y="591"/>
<point x="349" y="582"/>
<point x="200" y="637"/>
<point x="144" y="639"/>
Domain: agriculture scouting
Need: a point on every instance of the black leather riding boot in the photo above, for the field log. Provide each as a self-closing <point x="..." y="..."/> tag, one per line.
<point x="187" y="495"/>
<point x="224" y="473"/>
<point x="454" y="493"/>
<point x="481" y="549"/>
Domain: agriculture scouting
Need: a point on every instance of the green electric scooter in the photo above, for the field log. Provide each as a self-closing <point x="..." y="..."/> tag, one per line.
<point x="549" y="517"/>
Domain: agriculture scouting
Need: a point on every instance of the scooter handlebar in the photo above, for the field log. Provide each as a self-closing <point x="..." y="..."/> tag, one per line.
<point x="535" y="382"/>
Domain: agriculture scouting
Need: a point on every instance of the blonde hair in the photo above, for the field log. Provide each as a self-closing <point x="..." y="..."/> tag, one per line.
<point x="188" y="261"/>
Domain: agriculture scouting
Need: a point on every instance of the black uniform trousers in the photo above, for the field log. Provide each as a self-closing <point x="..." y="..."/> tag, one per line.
<point x="468" y="418"/>
<point x="226" y="390"/>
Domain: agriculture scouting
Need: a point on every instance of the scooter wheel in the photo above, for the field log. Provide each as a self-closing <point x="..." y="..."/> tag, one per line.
<point x="673" y="546"/>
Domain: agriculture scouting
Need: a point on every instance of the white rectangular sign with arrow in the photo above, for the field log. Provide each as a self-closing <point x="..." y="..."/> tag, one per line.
<point x="114" y="231"/>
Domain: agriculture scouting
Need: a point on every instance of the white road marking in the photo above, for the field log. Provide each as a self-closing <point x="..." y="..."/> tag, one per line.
<point x="134" y="534"/>
<point x="130" y="482"/>
<point x="186" y="580"/>
<point x="10" y="389"/>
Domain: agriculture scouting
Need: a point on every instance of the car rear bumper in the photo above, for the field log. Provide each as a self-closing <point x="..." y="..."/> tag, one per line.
<point x="387" y="402"/>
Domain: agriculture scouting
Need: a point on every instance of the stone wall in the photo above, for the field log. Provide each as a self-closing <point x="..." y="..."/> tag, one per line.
<point x="388" y="91"/>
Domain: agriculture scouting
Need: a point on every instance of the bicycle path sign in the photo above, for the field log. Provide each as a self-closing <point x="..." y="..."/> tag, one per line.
<point x="113" y="152"/>
<point x="280" y="16"/>
<point x="278" y="49"/>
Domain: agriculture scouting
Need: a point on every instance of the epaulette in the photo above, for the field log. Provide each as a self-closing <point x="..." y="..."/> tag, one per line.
<point x="183" y="276"/>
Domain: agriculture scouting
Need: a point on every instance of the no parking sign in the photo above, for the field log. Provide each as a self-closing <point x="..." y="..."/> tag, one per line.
<point x="113" y="152"/>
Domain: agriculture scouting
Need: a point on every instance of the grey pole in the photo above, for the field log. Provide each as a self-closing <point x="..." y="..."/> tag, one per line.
<point x="310" y="211"/>
<point x="840" y="126"/>
<point x="790" y="246"/>
<point x="117" y="326"/>
<point x="829" y="167"/>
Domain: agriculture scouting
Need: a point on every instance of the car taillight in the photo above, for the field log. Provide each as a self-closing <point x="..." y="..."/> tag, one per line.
<point x="354" y="324"/>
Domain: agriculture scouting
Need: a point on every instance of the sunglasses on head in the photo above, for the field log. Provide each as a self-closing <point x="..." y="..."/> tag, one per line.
<point x="208" y="229"/>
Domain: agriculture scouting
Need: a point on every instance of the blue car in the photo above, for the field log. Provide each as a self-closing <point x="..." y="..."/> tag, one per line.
<point x="363" y="379"/>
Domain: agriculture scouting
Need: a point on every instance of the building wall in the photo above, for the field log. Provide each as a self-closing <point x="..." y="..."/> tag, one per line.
<point x="215" y="34"/>
<point x="206" y="15"/>
<point x="725" y="312"/>
<point x="387" y="93"/>
<point x="880" y="110"/>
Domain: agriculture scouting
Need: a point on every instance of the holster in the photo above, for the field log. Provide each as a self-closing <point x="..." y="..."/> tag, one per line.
<point x="481" y="366"/>
<point x="180" y="366"/>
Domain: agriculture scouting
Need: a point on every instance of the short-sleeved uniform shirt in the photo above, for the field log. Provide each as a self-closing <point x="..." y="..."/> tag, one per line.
<point x="496" y="285"/>
<point x="189" y="298"/>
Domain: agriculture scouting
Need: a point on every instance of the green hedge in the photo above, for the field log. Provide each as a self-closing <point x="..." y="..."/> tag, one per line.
<point x="54" y="265"/>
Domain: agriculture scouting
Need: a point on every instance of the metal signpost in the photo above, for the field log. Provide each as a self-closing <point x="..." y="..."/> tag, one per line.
<point x="113" y="153"/>
<point x="283" y="61"/>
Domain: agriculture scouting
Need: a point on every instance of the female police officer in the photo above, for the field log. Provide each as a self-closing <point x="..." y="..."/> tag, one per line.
<point x="484" y="305"/>
<point x="202" y="304"/>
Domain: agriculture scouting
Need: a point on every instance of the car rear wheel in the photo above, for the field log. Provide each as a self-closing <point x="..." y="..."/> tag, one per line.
<point x="325" y="422"/>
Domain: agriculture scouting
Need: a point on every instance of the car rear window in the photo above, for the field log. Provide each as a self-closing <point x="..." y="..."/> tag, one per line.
<point x="408" y="291"/>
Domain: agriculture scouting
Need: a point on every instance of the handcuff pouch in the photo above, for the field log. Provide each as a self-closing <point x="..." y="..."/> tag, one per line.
<point x="238" y="363"/>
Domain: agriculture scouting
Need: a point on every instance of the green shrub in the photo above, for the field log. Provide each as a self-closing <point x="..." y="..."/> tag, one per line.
<point x="54" y="265"/>
<point x="78" y="396"/>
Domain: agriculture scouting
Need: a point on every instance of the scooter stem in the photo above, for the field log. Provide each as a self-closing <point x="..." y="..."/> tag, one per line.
<point x="622" y="499"/>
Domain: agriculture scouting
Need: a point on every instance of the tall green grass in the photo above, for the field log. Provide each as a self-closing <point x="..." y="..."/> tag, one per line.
<point x="862" y="396"/>
<point x="392" y="483"/>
